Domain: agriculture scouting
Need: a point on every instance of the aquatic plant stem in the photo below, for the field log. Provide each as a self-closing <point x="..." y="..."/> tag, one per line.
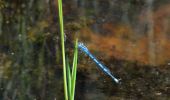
<point x="74" y="70"/>
<point x="63" y="47"/>
<point x="68" y="78"/>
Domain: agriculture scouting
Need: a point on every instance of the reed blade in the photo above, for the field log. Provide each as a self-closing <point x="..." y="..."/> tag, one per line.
<point x="74" y="70"/>
<point x="63" y="47"/>
<point x="68" y="78"/>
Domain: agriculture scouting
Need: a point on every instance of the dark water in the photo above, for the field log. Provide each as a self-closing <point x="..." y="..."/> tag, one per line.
<point x="130" y="37"/>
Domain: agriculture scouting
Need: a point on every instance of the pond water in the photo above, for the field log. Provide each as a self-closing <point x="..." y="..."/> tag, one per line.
<point x="130" y="37"/>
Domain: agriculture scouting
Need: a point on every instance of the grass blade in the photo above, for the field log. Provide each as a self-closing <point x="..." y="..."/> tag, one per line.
<point x="74" y="70"/>
<point x="63" y="47"/>
<point x="68" y="78"/>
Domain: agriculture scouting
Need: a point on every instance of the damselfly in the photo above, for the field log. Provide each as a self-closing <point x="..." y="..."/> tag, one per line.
<point x="103" y="68"/>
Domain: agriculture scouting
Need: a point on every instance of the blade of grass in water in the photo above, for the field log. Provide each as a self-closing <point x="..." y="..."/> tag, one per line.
<point x="74" y="70"/>
<point x="68" y="78"/>
<point x="63" y="47"/>
<point x="71" y="75"/>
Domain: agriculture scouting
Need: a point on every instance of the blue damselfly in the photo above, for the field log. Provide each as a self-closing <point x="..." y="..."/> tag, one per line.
<point x="103" y="68"/>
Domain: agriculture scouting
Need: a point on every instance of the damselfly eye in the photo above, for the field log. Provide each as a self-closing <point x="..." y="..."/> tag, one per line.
<point x="82" y="47"/>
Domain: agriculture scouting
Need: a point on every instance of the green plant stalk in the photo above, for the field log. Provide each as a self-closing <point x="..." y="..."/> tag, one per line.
<point x="68" y="78"/>
<point x="63" y="47"/>
<point x="74" y="71"/>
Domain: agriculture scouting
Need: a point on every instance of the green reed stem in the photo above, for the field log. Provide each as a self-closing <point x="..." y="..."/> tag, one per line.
<point x="68" y="74"/>
<point x="63" y="47"/>
<point x="74" y="71"/>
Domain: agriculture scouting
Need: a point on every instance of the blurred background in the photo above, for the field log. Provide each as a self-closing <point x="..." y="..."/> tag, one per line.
<point x="131" y="37"/>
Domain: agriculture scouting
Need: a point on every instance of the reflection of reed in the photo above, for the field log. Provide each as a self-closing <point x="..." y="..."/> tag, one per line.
<point x="150" y="31"/>
<point x="1" y="22"/>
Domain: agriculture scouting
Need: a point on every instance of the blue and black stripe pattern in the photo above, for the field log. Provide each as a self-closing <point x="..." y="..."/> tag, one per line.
<point x="103" y="68"/>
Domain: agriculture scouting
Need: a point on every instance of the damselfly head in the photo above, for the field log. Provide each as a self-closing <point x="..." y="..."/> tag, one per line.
<point x="82" y="46"/>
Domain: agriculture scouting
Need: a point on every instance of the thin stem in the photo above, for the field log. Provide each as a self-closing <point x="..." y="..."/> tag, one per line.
<point x="74" y="71"/>
<point x="63" y="47"/>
